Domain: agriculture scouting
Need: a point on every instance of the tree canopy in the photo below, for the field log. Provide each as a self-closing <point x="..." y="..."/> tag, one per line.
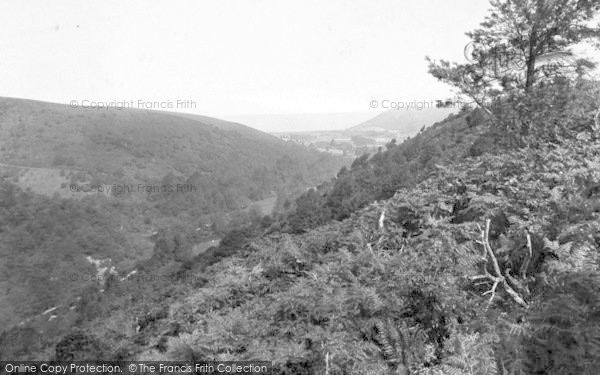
<point x="520" y="44"/>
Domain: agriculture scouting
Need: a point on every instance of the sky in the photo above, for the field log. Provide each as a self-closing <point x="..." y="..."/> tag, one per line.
<point x="320" y="63"/>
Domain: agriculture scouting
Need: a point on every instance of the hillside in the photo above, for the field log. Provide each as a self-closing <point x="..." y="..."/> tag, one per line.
<point x="119" y="146"/>
<point x="372" y="295"/>
<point x="379" y="176"/>
<point x="406" y="120"/>
<point x="131" y="154"/>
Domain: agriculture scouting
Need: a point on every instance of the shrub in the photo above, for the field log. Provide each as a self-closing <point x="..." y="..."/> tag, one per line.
<point x="78" y="346"/>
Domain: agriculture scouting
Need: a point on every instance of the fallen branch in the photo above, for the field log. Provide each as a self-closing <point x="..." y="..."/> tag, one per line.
<point x="498" y="280"/>
<point x="381" y="220"/>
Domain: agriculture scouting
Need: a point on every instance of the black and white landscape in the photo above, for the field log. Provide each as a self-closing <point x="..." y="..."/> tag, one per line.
<point x="340" y="187"/>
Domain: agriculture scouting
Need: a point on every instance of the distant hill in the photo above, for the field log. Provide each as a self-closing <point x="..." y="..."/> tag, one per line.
<point x="408" y="121"/>
<point x="376" y="132"/>
<point x="225" y="125"/>
<point x="137" y="146"/>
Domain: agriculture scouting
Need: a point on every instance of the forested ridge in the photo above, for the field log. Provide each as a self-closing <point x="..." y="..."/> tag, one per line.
<point x="229" y="165"/>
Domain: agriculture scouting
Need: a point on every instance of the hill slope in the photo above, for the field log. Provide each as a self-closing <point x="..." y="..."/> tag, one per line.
<point x="379" y="176"/>
<point x="409" y="121"/>
<point x="403" y="295"/>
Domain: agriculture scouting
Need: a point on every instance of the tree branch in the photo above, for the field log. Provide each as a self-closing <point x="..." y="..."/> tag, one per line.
<point x="498" y="279"/>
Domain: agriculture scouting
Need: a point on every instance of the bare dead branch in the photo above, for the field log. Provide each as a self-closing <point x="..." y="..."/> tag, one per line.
<point x="525" y="265"/>
<point x="498" y="279"/>
<point x="370" y="249"/>
<point x="381" y="220"/>
<point x="491" y="254"/>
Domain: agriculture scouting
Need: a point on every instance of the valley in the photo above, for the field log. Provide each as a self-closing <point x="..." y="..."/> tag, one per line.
<point x="366" y="228"/>
<point x="117" y="171"/>
<point x="369" y="136"/>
